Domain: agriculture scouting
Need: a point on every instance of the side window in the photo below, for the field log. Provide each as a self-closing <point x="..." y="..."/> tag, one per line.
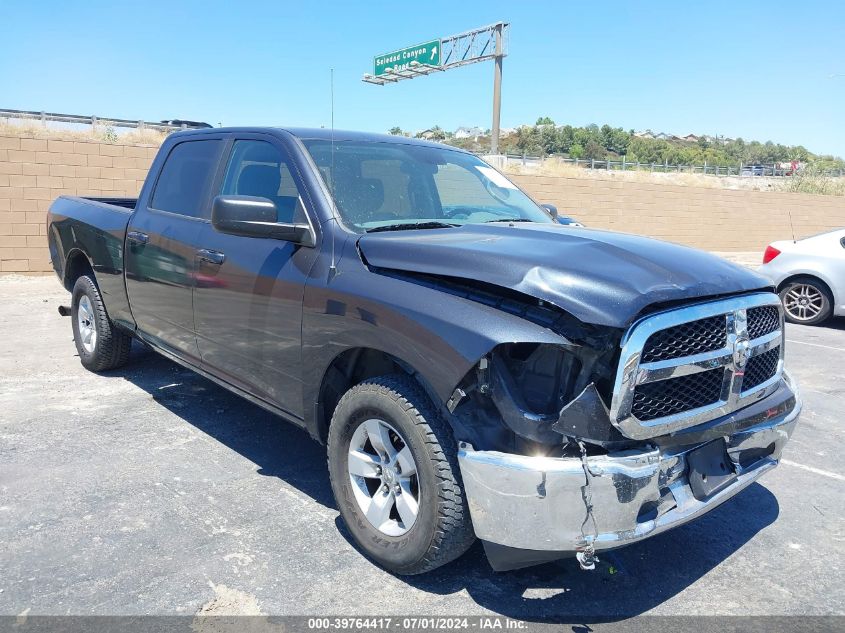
<point x="258" y="168"/>
<point x="186" y="177"/>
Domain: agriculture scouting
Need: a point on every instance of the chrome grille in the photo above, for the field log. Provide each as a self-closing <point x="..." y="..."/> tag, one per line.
<point x="761" y="368"/>
<point x="762" y="321"/>
<point x="688" y="365"/>
<point x="668" y="397"/>
<point x="687" y="339"/>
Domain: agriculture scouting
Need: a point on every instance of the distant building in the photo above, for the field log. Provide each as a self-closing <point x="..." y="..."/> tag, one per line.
<point x="663" y="136"/>
<point x="469" y="132"/>
<point x="692" y="138"/>
<point x="717" y="139"/>
<point x="426" y="134"/>
<point x="644" y="134"/>
<point x="507" y="131"/>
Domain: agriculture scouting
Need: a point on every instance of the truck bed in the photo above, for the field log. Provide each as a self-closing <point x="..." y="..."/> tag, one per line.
<point x="91" y="232"/>
<point x="126" y="203"/>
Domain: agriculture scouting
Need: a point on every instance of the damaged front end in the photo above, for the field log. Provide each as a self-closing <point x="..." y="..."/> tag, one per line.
<point x="611" y="436"/>
<point x="532" y="509"/>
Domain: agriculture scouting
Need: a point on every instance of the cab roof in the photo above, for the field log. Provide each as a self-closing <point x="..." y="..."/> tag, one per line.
<point x="326" y="134"/>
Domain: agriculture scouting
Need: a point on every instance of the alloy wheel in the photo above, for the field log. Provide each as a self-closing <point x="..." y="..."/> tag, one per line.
<point x="384" y="478"/>
<point x="87" y="324"/>
<point x="803" y="302"/>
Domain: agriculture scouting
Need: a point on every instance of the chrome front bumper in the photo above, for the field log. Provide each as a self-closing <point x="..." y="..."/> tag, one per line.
<point x="540" y="503"/>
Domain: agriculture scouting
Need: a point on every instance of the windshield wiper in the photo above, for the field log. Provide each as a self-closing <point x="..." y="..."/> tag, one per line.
<point x="399" y="226"/>
<point x="509" y="220"/>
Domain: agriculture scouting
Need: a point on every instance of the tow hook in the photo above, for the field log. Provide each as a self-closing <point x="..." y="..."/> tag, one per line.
<point x="587" y="558"/>
<point x="64" y="310"/>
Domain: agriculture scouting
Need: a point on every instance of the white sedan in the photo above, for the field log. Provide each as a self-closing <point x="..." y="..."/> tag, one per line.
<point x="809" y="275"/>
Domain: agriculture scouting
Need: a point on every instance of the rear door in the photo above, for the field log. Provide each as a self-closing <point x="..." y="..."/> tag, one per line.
<point x="248" y="297"/>
<point x="162" y="244"/>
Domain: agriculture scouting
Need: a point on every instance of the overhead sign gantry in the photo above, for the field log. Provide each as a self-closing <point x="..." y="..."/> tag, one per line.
<point x="470" y="47"/>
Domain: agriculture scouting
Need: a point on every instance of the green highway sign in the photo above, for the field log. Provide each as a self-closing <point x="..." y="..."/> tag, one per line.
<point x="427" y="53"/>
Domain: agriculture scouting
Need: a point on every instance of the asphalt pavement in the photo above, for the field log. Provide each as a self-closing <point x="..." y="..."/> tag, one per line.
<point x="152" y="490"/>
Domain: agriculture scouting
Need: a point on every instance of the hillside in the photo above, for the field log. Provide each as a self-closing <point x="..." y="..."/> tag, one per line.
<point x="593" y="142"/>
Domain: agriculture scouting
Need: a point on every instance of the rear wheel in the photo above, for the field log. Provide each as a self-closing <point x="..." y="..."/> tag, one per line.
<point x="101" y="346"/>
<point x="394" y="473"/>
<point x="806" y="301"/>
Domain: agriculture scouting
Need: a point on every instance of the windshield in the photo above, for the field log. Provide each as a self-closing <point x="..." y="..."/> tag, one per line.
<point x="378" y="186"/>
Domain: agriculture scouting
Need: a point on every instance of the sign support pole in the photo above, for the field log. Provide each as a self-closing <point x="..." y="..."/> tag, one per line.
<point x="497" y="92"/>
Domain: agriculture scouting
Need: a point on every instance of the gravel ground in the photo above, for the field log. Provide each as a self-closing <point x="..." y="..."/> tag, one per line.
<point x="151" y="490"/>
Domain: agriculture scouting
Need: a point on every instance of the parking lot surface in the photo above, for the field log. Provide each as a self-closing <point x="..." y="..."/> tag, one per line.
<point x="152" y="490"/>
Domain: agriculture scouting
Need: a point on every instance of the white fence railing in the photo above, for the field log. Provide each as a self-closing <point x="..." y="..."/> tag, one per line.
<point x="24" y="116"/>
<point x="740" y="169"/>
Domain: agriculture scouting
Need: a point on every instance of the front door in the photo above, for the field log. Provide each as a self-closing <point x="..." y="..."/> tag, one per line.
<point x="248" y="297"/>
<point x="162" y="243"/>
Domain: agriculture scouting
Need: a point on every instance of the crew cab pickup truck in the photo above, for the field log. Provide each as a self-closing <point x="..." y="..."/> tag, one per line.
<point x="474" y="368"/>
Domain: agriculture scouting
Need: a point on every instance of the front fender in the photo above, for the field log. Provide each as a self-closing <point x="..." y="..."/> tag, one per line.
<point x="439" y="335"/>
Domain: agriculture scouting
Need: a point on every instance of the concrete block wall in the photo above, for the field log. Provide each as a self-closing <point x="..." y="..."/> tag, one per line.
<point x="35" y="171"/>
<point x="711" y="219"/>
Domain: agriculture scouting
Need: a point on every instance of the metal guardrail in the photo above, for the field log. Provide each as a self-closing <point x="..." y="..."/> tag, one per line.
<point x="755" y="170"/>
<point x="94" y="121"/>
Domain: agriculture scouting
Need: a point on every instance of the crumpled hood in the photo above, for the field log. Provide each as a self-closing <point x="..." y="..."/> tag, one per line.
<point x="600" y="277"/>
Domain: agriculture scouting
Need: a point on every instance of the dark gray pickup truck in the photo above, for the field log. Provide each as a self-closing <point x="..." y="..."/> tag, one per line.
<point x="475" y="368"/>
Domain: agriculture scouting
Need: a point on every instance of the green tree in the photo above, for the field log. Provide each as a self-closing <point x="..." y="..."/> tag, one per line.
<point x="528" y="139"/>
<point x="597" y="142"/>
<point x="595" y="150"/>
<point x="395" y="131"/>
<point x="565" y="138"/>
<point x="614" y="139"/>
<point x="549" y="139"/>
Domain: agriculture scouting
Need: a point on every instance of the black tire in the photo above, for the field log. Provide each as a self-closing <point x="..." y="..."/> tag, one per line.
<point x="442" y="530"/>
<point x="823" y="299"/>
<point x="111" y="347"/>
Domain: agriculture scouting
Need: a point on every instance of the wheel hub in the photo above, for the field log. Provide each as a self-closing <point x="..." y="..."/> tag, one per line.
<point x="388" y="475"/>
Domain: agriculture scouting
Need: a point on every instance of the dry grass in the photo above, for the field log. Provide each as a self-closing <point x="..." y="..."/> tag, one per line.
<point x="806" y="183"/>
<point x="102" y="134"/>
<point x="811" y="181"/>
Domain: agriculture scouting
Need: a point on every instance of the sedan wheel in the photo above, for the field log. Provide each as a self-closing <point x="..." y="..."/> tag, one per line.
<point x="805" y="301"/>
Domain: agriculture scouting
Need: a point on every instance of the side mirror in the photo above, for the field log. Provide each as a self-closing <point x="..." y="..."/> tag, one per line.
<point x="251" y="216"/>
<point x="552" y="209"/>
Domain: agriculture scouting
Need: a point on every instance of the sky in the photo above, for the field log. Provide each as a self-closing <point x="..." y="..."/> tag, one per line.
<point x="760" y="71"/>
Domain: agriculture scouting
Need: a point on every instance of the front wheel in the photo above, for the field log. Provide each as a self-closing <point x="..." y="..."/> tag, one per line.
<point x="394" y="473"/>
<point x="100" y="345"/>
<point x="806" y="301"/>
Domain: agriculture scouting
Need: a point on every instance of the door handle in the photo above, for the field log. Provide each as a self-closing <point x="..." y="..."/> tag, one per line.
<point x="212" y="257"/>
<point x="137" y="237"/>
